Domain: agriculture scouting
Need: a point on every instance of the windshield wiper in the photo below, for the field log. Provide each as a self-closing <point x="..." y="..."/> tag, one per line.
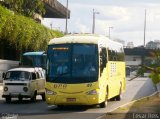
<point x="60" y="75"/>
<point x="22" y="79"/>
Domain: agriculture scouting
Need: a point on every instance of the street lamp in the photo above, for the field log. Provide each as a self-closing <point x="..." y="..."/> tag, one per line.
<point x="93" y="25"/>
<point x="109" y="30"/>
<point x="66" y="29"/>
<point x="145" y="28"/>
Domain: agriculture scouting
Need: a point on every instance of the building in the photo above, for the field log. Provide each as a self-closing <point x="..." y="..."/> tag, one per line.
<point x="153" y="44"/>
<point x="134" y="57"/>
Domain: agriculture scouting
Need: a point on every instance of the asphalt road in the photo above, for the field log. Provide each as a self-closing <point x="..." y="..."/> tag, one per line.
<point x="136" y="89"/>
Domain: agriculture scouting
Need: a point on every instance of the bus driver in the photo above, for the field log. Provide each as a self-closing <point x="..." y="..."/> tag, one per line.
<point x="62" y="69"/>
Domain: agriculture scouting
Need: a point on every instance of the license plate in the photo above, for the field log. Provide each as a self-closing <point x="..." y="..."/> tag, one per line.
<point x="71" y="99"/>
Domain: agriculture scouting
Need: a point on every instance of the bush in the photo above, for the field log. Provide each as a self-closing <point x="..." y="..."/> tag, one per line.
<point x="23" y="32"/>
<point x="155" y="76"/>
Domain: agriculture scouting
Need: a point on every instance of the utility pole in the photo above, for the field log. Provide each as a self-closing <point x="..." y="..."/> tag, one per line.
<point x="145" y="28"/>
<point x="93" y="25"/>
<point x="66" y="29"/>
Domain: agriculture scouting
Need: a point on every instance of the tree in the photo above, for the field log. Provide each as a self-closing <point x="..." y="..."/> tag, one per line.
<point x="26" y="7"/>
<point x="154" y="66"/>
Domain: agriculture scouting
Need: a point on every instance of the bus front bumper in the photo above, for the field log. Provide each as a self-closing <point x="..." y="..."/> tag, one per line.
<point x="72" y="100"/>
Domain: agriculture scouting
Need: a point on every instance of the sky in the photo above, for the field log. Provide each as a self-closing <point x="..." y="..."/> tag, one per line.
<point x="125" y="16"/>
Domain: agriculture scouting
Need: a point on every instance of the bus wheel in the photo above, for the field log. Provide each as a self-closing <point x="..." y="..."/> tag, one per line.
<point x="8" y="99"/>
<point x="102" y="105"/>
<point x="119" y="97"/>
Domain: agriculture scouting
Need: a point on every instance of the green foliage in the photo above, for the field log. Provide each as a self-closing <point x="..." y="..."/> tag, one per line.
<point x="26" y="7"/>
<point x="155" y="76"/>
<point x="23" y="32"/>
<point x="141" y="71"/>
<point x="154" y="67"/>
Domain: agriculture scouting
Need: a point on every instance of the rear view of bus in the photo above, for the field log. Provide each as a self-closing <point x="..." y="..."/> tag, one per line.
<point x="73" y="76"/>
<point x="34" y="59"/>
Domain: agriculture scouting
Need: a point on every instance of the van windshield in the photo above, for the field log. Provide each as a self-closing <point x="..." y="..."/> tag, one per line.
<point x="17" y="75"/>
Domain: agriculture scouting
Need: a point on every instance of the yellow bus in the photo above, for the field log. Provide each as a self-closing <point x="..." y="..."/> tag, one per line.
<point x="84" y="70"/>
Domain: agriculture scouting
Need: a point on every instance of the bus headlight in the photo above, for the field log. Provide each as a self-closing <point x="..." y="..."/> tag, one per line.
<point x="93" y="92"/>
<point x="49" y="92"/>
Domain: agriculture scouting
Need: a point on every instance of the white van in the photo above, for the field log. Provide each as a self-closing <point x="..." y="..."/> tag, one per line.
<point x="24" y="83"/>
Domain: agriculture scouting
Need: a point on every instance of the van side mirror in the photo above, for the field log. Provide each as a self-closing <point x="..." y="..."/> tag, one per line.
<point x="3" y="75"/>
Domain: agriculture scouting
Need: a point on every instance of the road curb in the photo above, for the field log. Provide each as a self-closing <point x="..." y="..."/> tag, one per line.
<point x="101" y="117"/>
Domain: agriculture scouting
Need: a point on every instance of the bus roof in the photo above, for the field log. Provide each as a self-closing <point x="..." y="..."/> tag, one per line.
<point x="102" y="41"/>
<point x="34" y="53"/>
<point x="26" y="69"/>
<point x="78" y="38"/>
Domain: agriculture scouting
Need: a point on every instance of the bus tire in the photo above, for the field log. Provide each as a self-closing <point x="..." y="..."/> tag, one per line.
<point x="119" y="97"/>
<point x="8" y="99"/>
<point x="102" y="104"/>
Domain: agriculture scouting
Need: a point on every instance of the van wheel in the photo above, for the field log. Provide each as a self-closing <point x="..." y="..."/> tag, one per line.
<point x="33" y="99"/>
<point x="102" y="105"/>
<point x="20" y="98"/>
<point x="8" y="99"/>
<point x="43" y="97"/>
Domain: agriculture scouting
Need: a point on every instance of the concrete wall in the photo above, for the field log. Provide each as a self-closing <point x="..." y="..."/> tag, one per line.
<point x="5" y="65"/>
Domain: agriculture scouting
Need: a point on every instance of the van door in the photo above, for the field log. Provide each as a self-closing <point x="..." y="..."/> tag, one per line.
<point x="33" y="83"/>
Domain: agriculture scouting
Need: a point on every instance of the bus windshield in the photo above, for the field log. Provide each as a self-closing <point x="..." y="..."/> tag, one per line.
<point x="72" y="63"/>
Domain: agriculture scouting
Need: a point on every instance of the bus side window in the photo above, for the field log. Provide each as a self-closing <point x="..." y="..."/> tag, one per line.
<point x="114" y="53"/>
<point x="120" y="55"/>
<point x="109" y="55"/>
<point x="103" y="59"/>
